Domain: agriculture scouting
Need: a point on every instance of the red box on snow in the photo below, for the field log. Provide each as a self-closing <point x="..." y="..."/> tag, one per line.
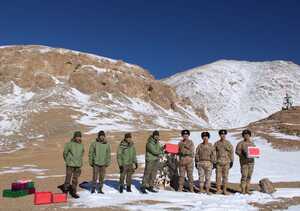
<point x="42" y="198"/>
<point x="172" y="148"/>
<point x="18" y="186"/>
<point x="253" y="152"/>
<point x="59" y="197"/>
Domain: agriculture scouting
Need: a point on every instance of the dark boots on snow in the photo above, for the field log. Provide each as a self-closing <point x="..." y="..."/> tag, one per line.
<point x="143" y="190"/>
<point x="152" y="190"/>
<point x="121" y="187"/>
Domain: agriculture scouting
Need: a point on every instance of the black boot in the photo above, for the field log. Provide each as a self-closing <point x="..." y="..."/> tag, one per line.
<point x="128" y="188"/>
<point x="74" y="194"/>
<point x="64" y="188"/>
<point x="121" y="188"/>
<point x="152" y="190"/>
<point x="100" y="191"/>
<point x="143" y="190"/>
<point x="93" y="190"/>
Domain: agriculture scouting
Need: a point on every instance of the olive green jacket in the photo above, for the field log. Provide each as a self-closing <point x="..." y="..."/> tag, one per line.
<point x="99" y="153"/>
<point x="126" y="154"/>
<point x="153" y="149"/>
<point x="73" y="153"/>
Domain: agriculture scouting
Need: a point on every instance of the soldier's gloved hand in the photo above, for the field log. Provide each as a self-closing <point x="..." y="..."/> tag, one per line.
<point x="121" y="169"/>
<point x="231" y="164"/>
<point x="214" y="165"/>
<point x="136" y="166"/>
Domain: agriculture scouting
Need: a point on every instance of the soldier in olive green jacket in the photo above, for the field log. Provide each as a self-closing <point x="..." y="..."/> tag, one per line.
<point x="127" y="161"/>
<point x="99" y="159"/>
<point x="73" y="153"/>
<point x="154" y="152"/>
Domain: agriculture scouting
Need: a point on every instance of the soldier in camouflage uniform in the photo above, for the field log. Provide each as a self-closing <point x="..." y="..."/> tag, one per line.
<point x="186" y="155"/>
<point x="247" y="164"/>
<point x="204" y="160"/>
<point x="224" y="161"/>
<point x="154" y="152"/>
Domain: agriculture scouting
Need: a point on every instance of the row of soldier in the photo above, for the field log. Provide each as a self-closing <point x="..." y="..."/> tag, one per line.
<point x="205" y="158"/>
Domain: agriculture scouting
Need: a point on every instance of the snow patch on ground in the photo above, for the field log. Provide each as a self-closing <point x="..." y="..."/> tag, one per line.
<point x="284" y="136"/>
<point x="294" y="208"/>
<point x="166" y="200"/>
<point x="49" y="176"/>
<point x="20" y="169"/>
<point x="98" y="70"/>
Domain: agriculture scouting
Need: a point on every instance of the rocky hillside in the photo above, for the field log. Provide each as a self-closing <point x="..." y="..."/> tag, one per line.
<point x="236" y="93"/>
<point x="282" y="129"/>
<point x="45" y="91"/>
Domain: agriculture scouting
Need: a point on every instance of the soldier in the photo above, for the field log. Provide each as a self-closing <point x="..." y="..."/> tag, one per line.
<point x="186" y="155"/>
<point x="73" y="153"/>
<point x="204" y="160"/>
<point x="224" y="161"/>
<point x="99" y="159"/>
<point x="126" y="157"/>
<point x="247" y="164"/>
<point x="154" y="152"/>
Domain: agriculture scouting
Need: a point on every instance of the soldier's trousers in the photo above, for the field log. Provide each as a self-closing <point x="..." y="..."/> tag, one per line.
<point x="98" y="174"/>
<point x="72" y="173"/>
<point x="204" y="172"/>
<point x="246" y="171"/>
<point x="188" y="169"/>
<point x="150" y="173"/>
<point x="127" y="172"/>
<point x="222" y="172"/>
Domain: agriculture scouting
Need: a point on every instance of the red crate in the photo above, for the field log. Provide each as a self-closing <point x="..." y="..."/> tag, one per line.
<point x="253" y="152"/>
<point x="18" y="186"/>
<point x="59" y="197"/>
<point x="42" y="198"/>
<point x="172" y="148"/>
<point x="31" y="190"/>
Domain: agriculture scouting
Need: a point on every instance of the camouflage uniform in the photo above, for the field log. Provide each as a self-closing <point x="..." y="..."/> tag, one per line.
<point x="247" y="164"/>
<point x="186" y="154"/>
<point x="224" y="156"/>
<point x="204" y="159"/>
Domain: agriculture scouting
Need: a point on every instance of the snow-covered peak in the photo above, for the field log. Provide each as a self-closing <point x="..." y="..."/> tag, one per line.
<point x="235" y="93"/>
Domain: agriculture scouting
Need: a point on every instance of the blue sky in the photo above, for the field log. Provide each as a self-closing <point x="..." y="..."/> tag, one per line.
<point x="164" y="37"/>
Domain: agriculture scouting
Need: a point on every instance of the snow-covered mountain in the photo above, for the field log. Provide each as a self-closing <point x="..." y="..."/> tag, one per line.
<point x="235" y="93"/>
<point x="48" y="91"/>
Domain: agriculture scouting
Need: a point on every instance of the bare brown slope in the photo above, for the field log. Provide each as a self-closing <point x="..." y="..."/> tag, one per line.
<point x="31" y="66"/>
<point x="286" y="122"/>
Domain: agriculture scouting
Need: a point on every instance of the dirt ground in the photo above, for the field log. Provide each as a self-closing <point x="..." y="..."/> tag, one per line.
<point x="48" y="155"/>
